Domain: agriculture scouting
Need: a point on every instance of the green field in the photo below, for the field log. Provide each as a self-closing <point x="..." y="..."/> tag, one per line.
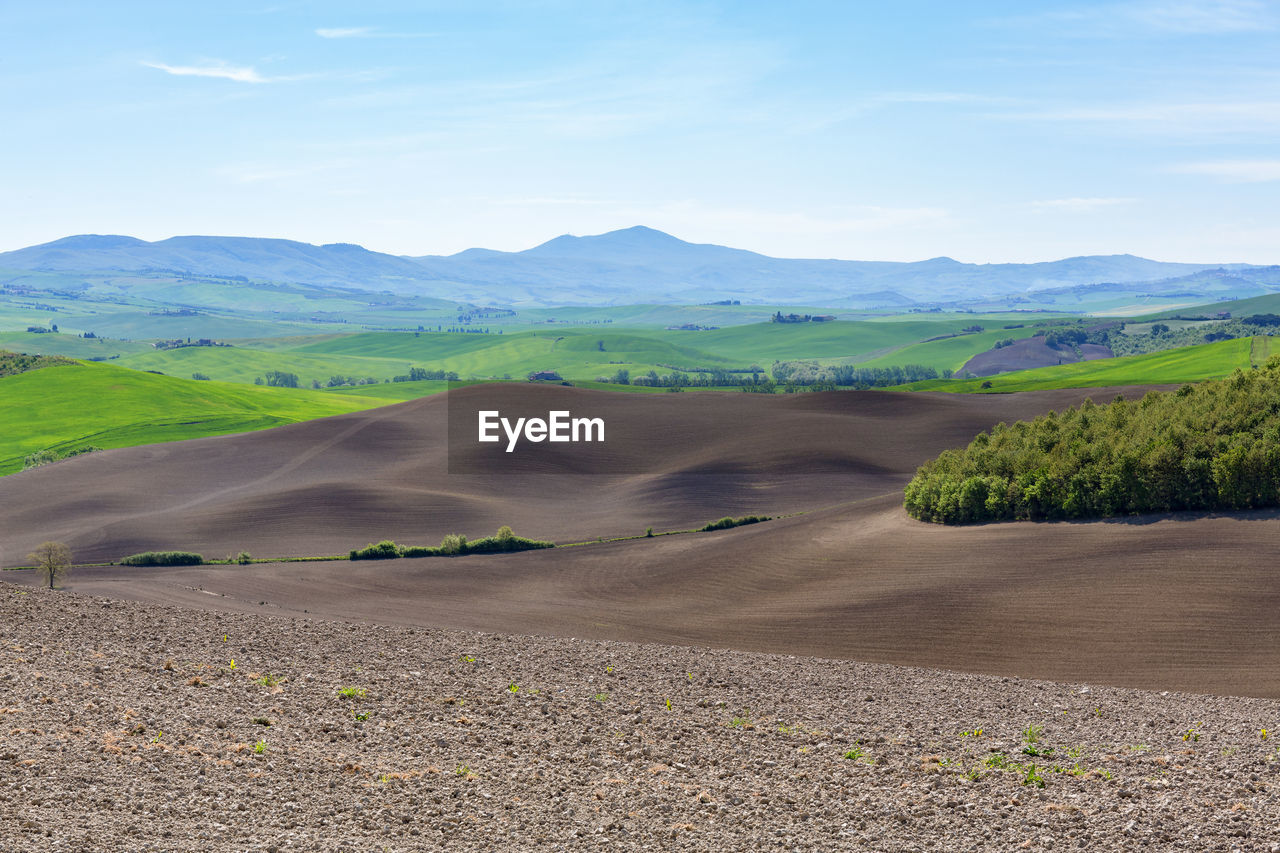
<point x="73" y="346"/>
<point x="1170" y="367"/>
<point x="119" y="403"/>
<point x="64" y="407"/>
<point x="949" y="353"/>
<point x="1269" y="304"/>
<point x="577" y="354"/>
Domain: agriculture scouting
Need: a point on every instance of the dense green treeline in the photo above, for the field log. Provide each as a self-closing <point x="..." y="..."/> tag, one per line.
<point x="1206" y="447"/>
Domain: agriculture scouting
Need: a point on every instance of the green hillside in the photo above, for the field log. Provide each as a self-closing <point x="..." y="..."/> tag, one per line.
<point x="64" y="407"/>
<point x="577" y="353"/>
<point x="1189" y="364"/>
<point x="239" y="364"/>
<point x="69" y="345"/>
<point x="1268" y="304"/>
<point x="948" y="353"/>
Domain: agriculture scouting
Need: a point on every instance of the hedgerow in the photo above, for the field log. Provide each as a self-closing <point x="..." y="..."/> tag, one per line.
<point x="452" y="545"/>
<point x="163" y="558"/>
<point x="727" y="522"/>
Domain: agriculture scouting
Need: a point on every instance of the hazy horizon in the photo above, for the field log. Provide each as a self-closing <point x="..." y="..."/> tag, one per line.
<point x="982" y="132"/>
<point x="548" y="239"/>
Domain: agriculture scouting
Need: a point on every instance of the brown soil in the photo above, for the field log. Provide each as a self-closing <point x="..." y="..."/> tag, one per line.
<point x="330" y="485"/>
<point x="127" y="726"/>
<point x="1026" y="353"/>
<point x="1172" y="603"/>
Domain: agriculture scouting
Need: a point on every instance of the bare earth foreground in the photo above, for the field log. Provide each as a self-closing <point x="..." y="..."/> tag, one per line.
<point x="133" y="726"/>
<point x="352" y="706"/>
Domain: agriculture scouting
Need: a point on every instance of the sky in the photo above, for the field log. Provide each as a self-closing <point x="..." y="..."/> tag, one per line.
<point x="987" y="132"/>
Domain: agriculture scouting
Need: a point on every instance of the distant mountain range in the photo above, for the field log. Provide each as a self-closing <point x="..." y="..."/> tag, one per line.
<point x="625" y="267"/>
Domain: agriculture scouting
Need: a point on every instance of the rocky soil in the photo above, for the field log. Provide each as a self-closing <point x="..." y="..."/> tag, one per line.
<point x="127" y="726"/>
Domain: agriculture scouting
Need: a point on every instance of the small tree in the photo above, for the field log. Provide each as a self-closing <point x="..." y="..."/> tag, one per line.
<point x="52" y="560"/>
<point x="454" y="543"/>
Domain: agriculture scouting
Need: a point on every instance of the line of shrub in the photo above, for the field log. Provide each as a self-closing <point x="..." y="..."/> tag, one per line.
<point x="453" y="545"/>
<point x="47" y="457"/>
<point x="727" y="522"/>
<point x="163" y="558"/>
<point x="1207" y="447"/>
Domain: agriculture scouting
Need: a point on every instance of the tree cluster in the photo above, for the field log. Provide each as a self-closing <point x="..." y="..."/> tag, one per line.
<point x="813" y="373"/>
<point x="418" y="374"/>
<point x="453" y="545"/>
<point x="1213" y="446"/>
<point x="280" y="379"/>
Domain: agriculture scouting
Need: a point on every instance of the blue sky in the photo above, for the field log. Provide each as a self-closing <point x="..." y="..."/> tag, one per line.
<point x="995" y="131"/>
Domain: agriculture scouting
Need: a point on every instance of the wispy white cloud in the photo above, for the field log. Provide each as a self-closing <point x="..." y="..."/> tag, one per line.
<point x="550" y="201"/>
<point x="841" y="221"/>
<point x="265" y="172"/>
<point x="607" y="94"/>
<point x="828" y="116"/>
<point x="1202" y="16"/>
<point x="937" y="98"/>
<point x="220" y="70"/>
<point x="1195" y="119"/>
<point x="1155" y="17"/>
<point x="1234" y="171"/>
<point x="343" y="32"/>
<point x="365" y="33"/>
<point x="1079" y="205"/>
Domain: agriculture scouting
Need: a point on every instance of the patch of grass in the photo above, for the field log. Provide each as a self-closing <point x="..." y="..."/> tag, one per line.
<point x="352" y="692"/>
<point x="73" y="405"/>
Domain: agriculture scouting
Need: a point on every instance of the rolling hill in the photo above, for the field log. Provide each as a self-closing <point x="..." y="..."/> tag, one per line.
<point x="1175" y="366"/>
<point x="1174" y="602"/>
<point x="67" y="406"/>
<point x="618" y="268"/>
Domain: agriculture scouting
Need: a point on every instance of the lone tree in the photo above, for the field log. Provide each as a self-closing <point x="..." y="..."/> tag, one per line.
<point x="52" y="560"/>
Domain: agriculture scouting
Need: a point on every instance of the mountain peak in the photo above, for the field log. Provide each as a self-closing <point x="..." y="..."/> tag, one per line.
<point x="95" y="241"/>
<point x="635" y="237"/>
